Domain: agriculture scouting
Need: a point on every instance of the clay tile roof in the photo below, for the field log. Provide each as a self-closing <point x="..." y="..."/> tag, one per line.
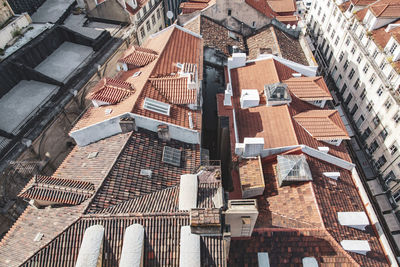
<point x="263" y="7"/>
<point x="250" y="171"/>
<point x="284" y="6"/>
<point x="175" y="90"/>
<point x="189" y="7"/>
<point x="111" y="91"/>
<point x="386" y="9"/>
<point x="360" y="14"/>
<point x="362" y="2"/>
<point x="322" y="124"/>
<point x="137" y="56"/>
<point x="61" y="191"/>
<point x="343" y="7"/>
<point x="309" y="88"/>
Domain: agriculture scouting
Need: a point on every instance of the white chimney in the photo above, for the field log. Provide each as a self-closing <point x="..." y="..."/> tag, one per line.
<point x="296" y="75"/>
<point x="249" y="98"/>
<point x="310" y="262"/>
<point x="357" y="220"/>
<point x="263" y="259"/>
<point x="323" y="149"/>
<point x="228" y="95"/>
<point x="188" y="192"/>
<point x="236" y="61"/>
<point x="91" y="251"/>
<point x="241" y="216"/>
<point x="190" y="120"/>
<point x="189" y="248"/>
<point x="356" y="246"/>
<point x="253" y="146"/>
<point x="132" y="249"/>
<point x="332" y="175"/>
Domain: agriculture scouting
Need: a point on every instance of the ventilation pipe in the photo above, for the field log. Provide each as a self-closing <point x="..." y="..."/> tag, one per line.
<point x="188" y="192"/>
<point x="189" y="248"/>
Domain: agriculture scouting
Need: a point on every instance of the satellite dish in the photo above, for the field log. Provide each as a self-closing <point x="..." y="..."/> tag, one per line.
<point x="170" y="14"/>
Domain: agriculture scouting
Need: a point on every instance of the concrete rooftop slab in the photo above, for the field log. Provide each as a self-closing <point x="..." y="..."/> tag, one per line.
<point x="24" y="98"/>
<point x="76" y="24"/>
<point x="51" y="11"/>
<point x="375" y="187"/>
<point x="383" y="203"/>
<point x="392" y="222"/>
<point x="64" y="60"/>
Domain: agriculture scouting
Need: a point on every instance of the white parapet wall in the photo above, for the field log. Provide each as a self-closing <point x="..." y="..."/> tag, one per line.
<point x="110" y="127"/>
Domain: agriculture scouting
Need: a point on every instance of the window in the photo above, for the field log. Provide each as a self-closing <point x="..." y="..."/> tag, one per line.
<point x="333" y="34"/>
<point x="346" y="64"/>
<point x="334" y="12"/>
<point x="253" y="24"/>
<point x="351" y="74"/>
<point x="353" y="50"/>
<point x="138" y="16"/>
<point x="337" y="40"/>
<point x="348" y="99"/>
<point x="379" y="92"/>
<point x="396" y="195"/>
<point x="148" y="25"/>
<point x="388" y="103"/>
<point x="383" y="134"/>
<point x="153" y="20"/>
<point x="339" y="18"/>
<point x="363" y="94"/>
<point x="393" y="48"/>
<point x="229" y="12"/>
<point x="372" y="79"/>
<point x="357" y="84"/>
<point x="373" y="147"/>
<point x="383" y="64"/>
<point x="366" y="133"/>
<point x="370" y="106"/>
<point x="381" y="161"/>
<point x="329" y="28"/>
<point x="329" y="3"/>
<point x="396" y="118"/>
<point x="376" y="120"/>
<point x="341" y="56"/>
<point x="142" y="33"/>
<point x="393" y="148"/>
<point x="360" y="120"/>
<point x="348" y="41"/>
<point x="391" y="75"/>
<point x="359" y="58"/>
<point x="354" y="110"/>
<point x="158" y="14"/>
<point x="344" y="87"/>
<point x="366" y="68"/>
<point x="343" y="24"/>
<point x="355" y="27"/>
<point x="323" y="18"/>
<point x="150" y="4"/>
<point x="144" y="10"/>
<point x="361" y="36"/>
<point x="319" y="11"/>
<point x="375" y="54"/>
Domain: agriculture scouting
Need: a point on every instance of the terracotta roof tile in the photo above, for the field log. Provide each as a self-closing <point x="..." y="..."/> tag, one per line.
<point x="283" y="6"/>
<point x="111" y="91"/>
<point x="262" y="6"/>
<point x="386" y="9"/>
<point x="189" y="7"/>
<point x="322" y="124"/>
<point x="251" y="175"/>
<point x="309" y="88"/>
<point x="382" y="37"/>
<point x="175" y="90"/>
<point x="58" y="190"/>
<point x="362" y="2"/>
<point x="137" y="56"/>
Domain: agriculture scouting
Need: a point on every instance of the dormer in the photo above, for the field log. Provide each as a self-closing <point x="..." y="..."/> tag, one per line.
<point x="323" y="125"/>
<point x="110" y="92"/>
<point x="189" y="71"/>
<point x="277" y="94"/>
<point x="136" y="57"/>
<point x="381" y="14"/>
<point x="309" y="89"/>
<point x="392" y="49"/>
<point x="292" y="169"/>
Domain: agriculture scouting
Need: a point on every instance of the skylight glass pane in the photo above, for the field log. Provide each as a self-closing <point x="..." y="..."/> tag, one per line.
<point x="172" y="156"/>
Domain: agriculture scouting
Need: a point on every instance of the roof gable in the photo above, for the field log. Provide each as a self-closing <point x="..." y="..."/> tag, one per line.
<point x="309" y="88"/>
<point x="111" y="91"/>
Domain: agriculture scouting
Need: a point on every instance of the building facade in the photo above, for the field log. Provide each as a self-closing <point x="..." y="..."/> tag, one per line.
<point x="358" y="46"/>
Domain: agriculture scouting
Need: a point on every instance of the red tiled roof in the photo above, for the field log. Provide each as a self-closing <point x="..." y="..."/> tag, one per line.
<point x="175" y="90"/>
<point x="111" y="91"/>
<point x="62" y="191"/>
<point x="189" y="7"/>
<point x="382" y="37"/>
<point x="360" y="14"/>
<point x="263" y="7"/>
<point x="137" y="56"/>
<point x="362" y="2"/>
<point x="386" y="9"/>
<point x="309" y="88"/>
<point x="322" y="124"/>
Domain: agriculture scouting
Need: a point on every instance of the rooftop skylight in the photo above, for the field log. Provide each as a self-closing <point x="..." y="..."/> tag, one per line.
<point x="156" y="106"/>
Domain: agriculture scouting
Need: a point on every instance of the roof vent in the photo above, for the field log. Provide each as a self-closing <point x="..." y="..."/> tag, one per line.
<point x="249" y="98"/>
<point x="145" y="172"/>
<point x="357" y="220"/>
<point x="136" y="74"/>
<point x="38" y="237"/>
<point x="356" y="246"/>
<point x="156" y="106"/>
<point x="332" y="175"/>
<point x="323" y="149"/>
<point x="172" y="156"/>
<point x="263" y="259"/>
<point x="132" y="249"/>
<point x="108" y="111"/>
<point x="189" y="248"/>
<point x="297" y="75"/>
<point x="310" y="262"/>
<point x="188" y="192"/>
<point x="90" y="252"/>
<point x="92" y="155"/>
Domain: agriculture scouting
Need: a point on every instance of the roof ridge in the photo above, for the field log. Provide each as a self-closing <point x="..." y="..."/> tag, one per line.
<point x="89" y="216"/>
